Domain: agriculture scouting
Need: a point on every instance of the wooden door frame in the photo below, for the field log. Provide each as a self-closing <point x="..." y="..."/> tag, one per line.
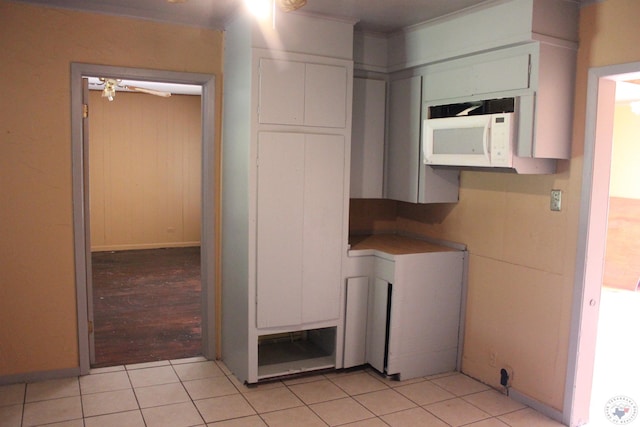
<point x="80" y="208"/>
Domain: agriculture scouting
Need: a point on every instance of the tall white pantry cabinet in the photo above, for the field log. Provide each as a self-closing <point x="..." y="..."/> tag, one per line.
<point x="285" y="194"/>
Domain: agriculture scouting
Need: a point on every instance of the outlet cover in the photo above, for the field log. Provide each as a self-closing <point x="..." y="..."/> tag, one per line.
<point x="556" y="200"/>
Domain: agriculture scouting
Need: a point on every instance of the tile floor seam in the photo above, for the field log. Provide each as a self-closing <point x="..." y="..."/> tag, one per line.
<point x="476" y="406"/>
<point x="197" y="410"/>
<point x="250" y="405"/>
<point x="24" y="406"/>
<point x="356" y="394"/>
<point x="322" y="401"/>
<point x="348" y="422"/>
<point x="193" y="401"/>
<point x="439" y="418"/>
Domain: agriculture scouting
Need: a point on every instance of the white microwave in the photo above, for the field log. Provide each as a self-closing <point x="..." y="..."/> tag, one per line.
<point x="485" y="140"/>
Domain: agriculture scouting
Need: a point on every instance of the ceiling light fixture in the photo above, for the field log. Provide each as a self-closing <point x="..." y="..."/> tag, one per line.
<point x="111" y="85"/>
<point x="291" y="5"/>
<point x="109" y="90"/>
<point x="262" y="9"/>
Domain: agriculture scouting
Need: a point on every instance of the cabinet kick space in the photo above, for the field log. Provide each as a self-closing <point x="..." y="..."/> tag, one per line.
<point x="299" y="351"/>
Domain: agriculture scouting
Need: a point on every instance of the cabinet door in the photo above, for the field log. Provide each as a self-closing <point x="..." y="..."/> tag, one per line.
<point x="299" y="228"/>
<point x="279" y="228"/>
<point x="324" y="198"/>
<point x="460" y="78"/>
<point x="281" y="99"/>
<point x="501" y="74"/>
<point x="377" y="324"/>
<point x="403" y="151"/>
<point x="367" y="138"/>
<point x="355" y="322"/>
<point x="325" y="96"/>
<point x="297" y="93"/>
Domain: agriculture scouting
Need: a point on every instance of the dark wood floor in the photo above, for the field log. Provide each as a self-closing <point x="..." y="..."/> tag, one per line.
<point x="147" y="305"/>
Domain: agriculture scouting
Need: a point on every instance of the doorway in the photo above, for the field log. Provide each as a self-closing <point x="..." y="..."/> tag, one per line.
<point x="584" y="389"/>
<point x="614" y="389"/>
<point x="144" y="191"/>
<point x="82" y="220"/>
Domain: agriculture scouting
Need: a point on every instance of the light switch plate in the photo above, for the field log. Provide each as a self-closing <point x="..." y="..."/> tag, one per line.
<point x="556" y="200"/>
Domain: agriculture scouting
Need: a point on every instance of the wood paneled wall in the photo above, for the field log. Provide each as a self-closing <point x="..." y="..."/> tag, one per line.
<point x="145" y="171"/>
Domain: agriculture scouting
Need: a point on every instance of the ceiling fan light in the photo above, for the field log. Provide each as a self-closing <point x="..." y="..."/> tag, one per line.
<point x="109" y="90"/>
<point x="291" y="5"/>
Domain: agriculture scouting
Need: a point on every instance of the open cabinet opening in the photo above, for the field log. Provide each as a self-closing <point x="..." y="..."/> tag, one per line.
<point x="298" y="351"/>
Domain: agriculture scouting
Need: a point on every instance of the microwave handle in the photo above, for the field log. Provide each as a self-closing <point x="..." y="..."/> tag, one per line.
<point x="485" y="139"/>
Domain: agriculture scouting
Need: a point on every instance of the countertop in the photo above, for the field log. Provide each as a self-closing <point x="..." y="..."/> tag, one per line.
<point x="392" y="244"/>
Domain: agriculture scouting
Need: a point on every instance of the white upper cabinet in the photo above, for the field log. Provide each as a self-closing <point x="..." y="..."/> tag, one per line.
<point x="367" y="138"/>
<point x="407" y="178"/>
<point x="304" y="94"/>
<point x="325" y="100"/>
<point x="403" y="152"/>
<point x="464" y="78"/>
<point x="281" y="95"/>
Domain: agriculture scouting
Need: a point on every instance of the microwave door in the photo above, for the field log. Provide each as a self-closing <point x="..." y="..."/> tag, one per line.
<point x="458" y="145"/>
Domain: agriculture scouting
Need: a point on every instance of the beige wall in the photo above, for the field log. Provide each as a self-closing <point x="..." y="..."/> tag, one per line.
<point x="38" y="327"/>
<point x="145" y="155"/>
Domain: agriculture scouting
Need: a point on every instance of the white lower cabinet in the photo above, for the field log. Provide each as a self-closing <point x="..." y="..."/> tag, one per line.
<point x="299" y="228"/>
<point x="412" y="322"/>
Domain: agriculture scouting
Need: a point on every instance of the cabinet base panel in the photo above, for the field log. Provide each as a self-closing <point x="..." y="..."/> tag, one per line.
<point x="295" y="367"/>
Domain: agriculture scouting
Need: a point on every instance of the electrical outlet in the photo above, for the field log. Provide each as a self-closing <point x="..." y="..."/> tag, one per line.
<point x="556" y="200"/>
<point x="492" y="358"/>
<point x="504" y="377"/>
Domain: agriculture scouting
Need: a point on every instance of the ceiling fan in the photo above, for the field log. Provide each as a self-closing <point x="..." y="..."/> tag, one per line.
<point x="111" y="84"/>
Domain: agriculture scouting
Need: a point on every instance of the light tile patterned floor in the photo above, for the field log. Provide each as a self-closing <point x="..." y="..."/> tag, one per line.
<point x="196" y="392"/>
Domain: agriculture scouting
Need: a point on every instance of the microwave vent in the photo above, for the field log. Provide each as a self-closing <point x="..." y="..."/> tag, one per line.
<point x="473" y="108"/>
